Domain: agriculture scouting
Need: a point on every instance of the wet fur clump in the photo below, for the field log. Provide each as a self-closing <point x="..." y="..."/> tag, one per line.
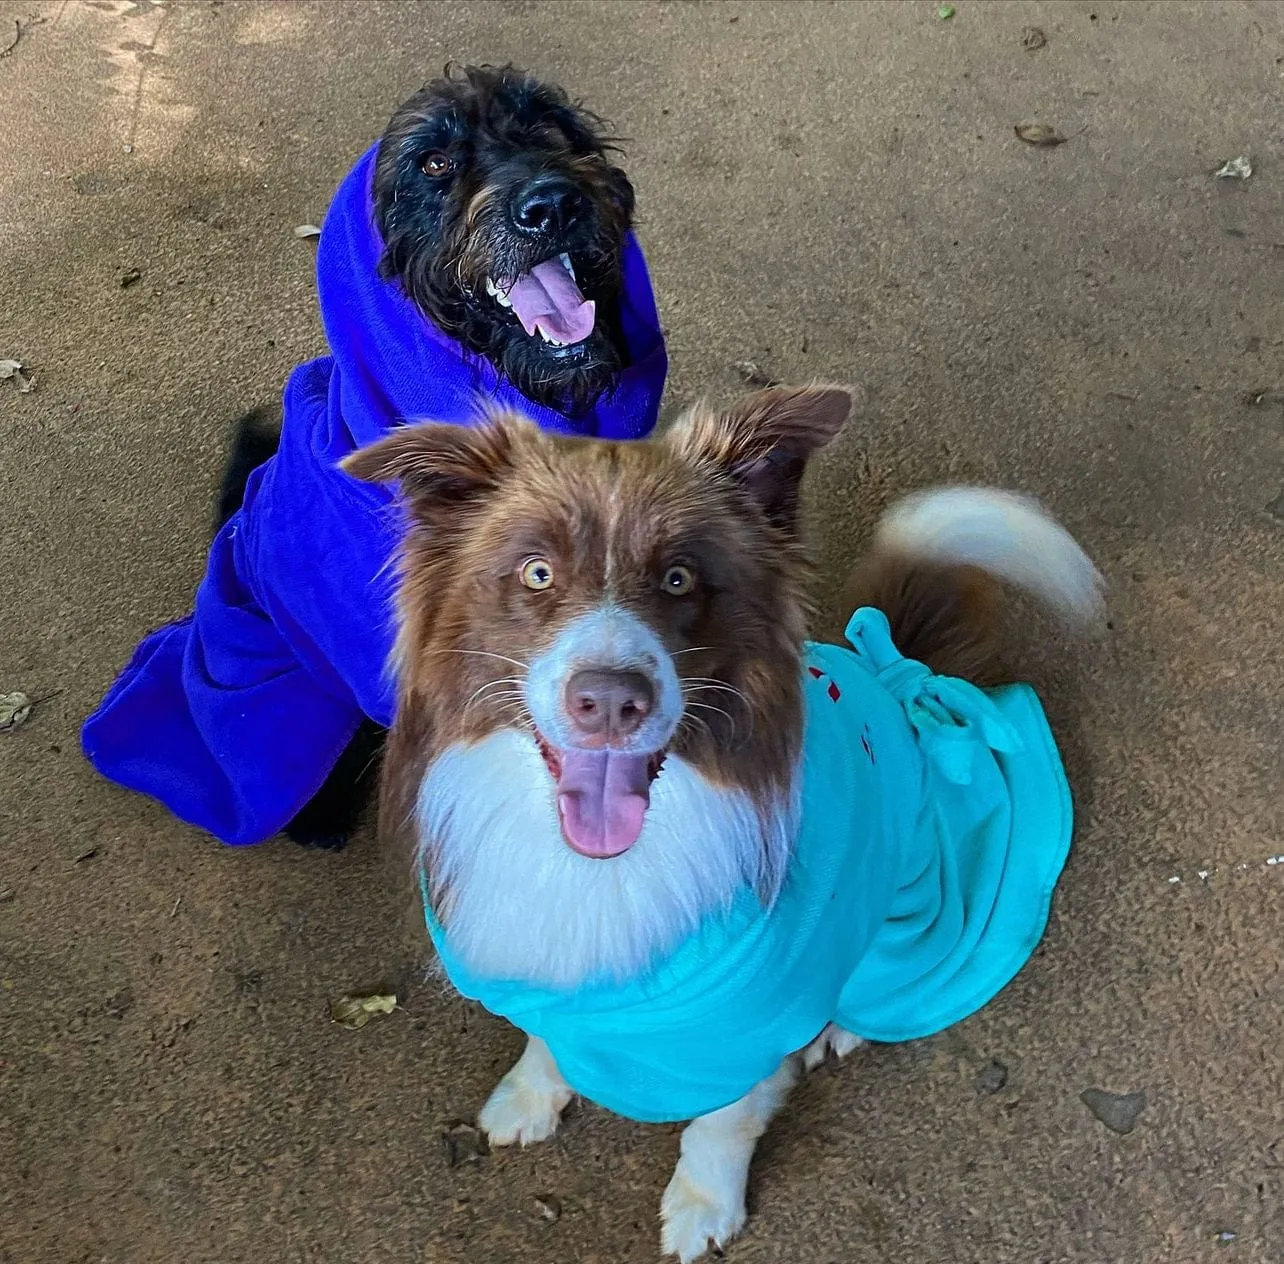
<point x="452" y="166"/>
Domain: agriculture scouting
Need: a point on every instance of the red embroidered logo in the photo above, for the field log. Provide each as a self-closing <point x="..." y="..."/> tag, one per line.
<point x="832" y="690"/>
<point x="867" y="746"/>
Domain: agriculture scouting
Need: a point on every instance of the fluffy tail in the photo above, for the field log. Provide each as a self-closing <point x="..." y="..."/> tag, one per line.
<point x="940" y="559"/>
<point x="258" y="435"/>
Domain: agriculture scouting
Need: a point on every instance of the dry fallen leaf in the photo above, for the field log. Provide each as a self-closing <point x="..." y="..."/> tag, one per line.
<point x="13" y="369"/>
<point x="305" y="232"/>
<point x="1033" y="38"/>
<point x="1234" y="169"/>
<point x="14" y="708"/>
<point x="1038" y="134"/>
<point x="355" y="1012"/>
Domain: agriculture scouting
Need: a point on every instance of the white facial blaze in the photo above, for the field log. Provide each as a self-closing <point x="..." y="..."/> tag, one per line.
<point x="609" y="638"/>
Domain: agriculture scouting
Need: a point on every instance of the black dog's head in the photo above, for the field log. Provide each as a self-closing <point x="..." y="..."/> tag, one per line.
<point x="503" y="219"/>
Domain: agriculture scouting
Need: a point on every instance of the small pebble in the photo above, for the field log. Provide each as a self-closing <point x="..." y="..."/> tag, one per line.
<point x="1118" y="1111"/>
<point x="463" y="1144"/>
<point x="991" y="1077"/>
<point x="549" y="1207"/>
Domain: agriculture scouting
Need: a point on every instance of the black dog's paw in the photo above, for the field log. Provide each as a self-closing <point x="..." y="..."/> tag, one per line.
<point x="320" y="842"/>
<point x="330" y="817"/>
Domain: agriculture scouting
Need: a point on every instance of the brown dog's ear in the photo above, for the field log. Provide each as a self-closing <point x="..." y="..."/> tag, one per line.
<point x="765" y="440"/>
<point x="437" y="464"/>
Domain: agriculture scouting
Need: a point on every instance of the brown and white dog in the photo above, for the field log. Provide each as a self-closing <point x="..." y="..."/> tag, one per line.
<point x="575" y="614"/>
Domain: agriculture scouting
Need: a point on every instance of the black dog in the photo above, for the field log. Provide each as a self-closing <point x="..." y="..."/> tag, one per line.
<point x="518" y="186"/>
<point x="503" y="220"/>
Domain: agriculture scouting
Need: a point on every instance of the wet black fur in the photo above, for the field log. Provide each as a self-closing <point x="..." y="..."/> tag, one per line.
<point x="329" y="817"/>
<point x="444" y="236"/>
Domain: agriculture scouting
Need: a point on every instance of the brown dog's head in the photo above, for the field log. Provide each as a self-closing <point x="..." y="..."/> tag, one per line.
<point x="623" y="604"/>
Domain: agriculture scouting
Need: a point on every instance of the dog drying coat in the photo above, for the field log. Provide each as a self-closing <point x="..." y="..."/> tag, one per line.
<point x="935" y="821"/>
<point x="234" y="716"/>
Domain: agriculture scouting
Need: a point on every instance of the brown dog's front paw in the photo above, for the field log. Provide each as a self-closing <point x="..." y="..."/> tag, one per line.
<point x="527" y="1103"/>
<point x="694" y="1213"/>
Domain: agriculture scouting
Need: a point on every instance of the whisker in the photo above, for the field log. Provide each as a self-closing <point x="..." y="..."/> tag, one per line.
<point x="696" y="722"/>
<point x="490" y="684"/>
<point x="715" y="686"/>
<point x="516" y="662"/>
<point x="704" y="706"/>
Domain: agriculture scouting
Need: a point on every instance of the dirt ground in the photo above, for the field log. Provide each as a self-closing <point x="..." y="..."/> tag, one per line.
<point x="827" y="191"/>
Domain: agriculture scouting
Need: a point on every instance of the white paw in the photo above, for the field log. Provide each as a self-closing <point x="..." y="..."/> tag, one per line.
<point x="692" y="1215"/>
<point x="833" y="1039"/>
<point x="521" y="1112"/>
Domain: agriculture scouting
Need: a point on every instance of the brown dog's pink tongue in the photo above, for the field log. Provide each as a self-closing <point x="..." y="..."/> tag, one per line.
<point x="602" y="797"/>
<point x="547" y="298"/>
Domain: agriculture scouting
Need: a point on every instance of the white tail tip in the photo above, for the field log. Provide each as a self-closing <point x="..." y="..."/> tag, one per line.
<point x="1008" y="535"/>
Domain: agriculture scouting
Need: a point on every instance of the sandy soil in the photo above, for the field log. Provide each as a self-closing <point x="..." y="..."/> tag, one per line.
<point x="826" y="190"/>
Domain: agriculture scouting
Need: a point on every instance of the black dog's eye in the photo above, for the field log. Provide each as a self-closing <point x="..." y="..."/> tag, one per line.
<point x="436" y="163"/>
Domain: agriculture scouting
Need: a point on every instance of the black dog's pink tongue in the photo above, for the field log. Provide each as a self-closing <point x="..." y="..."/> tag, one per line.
<point x="602" y="798"/>
<point x="547" y="298"/>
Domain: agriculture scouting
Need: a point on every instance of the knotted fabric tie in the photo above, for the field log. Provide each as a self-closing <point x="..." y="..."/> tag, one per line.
<point x="953" y="719"/>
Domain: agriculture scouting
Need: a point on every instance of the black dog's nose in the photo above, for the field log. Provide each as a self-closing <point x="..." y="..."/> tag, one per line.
<point x="547" y="204"/>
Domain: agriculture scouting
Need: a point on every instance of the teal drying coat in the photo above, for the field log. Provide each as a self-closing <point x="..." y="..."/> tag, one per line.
<point x="935" y="821"/>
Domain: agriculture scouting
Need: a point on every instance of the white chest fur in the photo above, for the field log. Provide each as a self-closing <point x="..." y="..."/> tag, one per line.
<point x="524" y="906"/>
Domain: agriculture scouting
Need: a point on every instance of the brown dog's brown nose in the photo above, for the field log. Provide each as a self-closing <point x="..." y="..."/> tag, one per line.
<point x="608" y="705"/>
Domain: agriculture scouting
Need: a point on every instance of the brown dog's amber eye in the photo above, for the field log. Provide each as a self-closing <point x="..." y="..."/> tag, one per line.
<point x="537" y="574"/>
<point x="436" y="164"/>
<point x="678" y="581"/>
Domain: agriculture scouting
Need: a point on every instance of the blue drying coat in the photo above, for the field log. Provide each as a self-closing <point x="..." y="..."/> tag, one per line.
<point x="234" y="716"/>
<point x="935" y="821"/>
